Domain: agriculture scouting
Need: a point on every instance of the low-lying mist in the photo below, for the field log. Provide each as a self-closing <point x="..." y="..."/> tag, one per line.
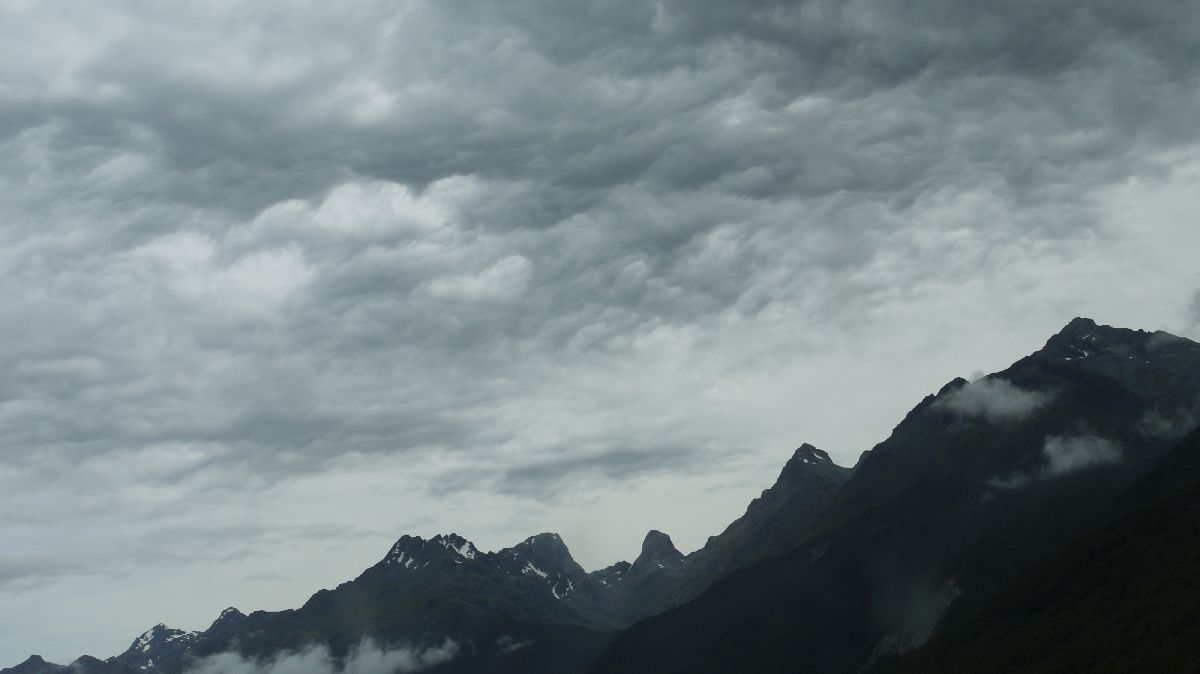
<point x="366" y="658"/>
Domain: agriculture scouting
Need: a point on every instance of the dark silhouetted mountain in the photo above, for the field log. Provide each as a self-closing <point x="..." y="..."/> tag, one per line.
<point x="1123" y="599"/>
<point x="774" y="523"/>
<point x="422" y="592"/>
<point x="977" y="484"/>
<point x="528" y="608"/>
<point x="83" y="665"/>
<point x="425" y="591"/>
<point x="650" y="584"/>
<point x="86" y="664"/>
<point x="1156" y="365"/>
<point x="610" y="575"/>
<point x="35" y="665"/>
<point x="226" y="624"/>
<point x="159" y="646"/>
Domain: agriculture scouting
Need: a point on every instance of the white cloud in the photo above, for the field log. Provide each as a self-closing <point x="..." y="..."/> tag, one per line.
<point x="504" y="280"/>
<point x="1071" y="454"/>
<point x="1169" y="426"/>
<point x="1063" y="455"/>
<point x="995" y="400"/>
<point x="264" y="277"/>
<point x="367" y="658"/>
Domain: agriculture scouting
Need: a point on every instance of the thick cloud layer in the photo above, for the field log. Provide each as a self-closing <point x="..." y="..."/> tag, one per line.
<point x="283" y="281"/>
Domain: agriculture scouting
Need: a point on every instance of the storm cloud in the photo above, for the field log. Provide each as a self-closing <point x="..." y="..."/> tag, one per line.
<point x="281" y="282"/>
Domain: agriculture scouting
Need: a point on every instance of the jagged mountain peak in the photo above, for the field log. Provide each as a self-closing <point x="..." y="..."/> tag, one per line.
<point x="547" y="547"/>
<point x="617" y="568"/>
<point x="807" y="453"/>
<point x="953" y="384"/>
<point x="1080" y="323"/>
<point x="657" y="552"/>
<point x="457" y="545"/>
<point x="808" y="468"/>
<point x="656" y="543"/>
<point x="157" y="644"/>
<point x="805" y="460"/>
<point x="544" y="541"/>
<point x="1083" y="337"/>
<point x="415" y="552"/>
<point x="406" y="552"/>
<point x="35" y="664"/>
<point x="228" y="618"/>
<point x="544" y="555"/>
<point x="1157" y="365"/>
<point x="156" y="634"/>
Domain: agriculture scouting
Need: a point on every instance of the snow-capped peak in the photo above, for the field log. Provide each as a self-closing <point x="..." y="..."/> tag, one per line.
<point x="142" y="643"/>
<point x="459" y="546"/>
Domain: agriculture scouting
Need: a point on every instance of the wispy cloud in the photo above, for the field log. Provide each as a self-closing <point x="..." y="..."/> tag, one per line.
<point x="1169" y="425"/>
<point x="1063" y="455"/>
<point x="366" y="658"/>
<point x="1066" y="455"/>
<point x="995" y="400"/>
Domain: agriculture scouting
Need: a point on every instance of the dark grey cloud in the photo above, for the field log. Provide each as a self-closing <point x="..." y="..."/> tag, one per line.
<point x="27" y="571"/>
<point x="605" y="463"/>
<point x="400" y="266"/>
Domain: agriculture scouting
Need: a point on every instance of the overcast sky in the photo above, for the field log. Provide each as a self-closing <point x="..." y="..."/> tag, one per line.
<point x="280" y="282"/>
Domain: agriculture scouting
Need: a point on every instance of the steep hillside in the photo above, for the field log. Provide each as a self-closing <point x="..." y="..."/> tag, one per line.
<point x="1123" y="599"/>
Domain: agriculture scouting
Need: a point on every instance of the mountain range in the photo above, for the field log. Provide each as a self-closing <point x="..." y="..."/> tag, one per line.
<point x="1025" y="521"/>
